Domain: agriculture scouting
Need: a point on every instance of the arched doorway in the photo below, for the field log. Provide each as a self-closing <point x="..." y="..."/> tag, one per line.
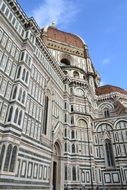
<point x="56" y="179"/>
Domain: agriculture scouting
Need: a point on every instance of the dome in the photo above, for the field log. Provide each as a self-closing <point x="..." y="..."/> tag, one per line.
<point x="107" y="89"/>
<point x="67" y="38"/>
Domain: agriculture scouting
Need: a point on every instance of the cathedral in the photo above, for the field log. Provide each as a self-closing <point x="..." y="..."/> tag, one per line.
<point x="59" y="129"/>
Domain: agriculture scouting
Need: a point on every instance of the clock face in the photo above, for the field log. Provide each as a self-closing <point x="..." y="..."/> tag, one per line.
<point x="79" y="92"/>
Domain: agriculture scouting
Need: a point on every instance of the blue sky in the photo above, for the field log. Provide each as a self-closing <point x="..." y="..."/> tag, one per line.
<point x="101" y="23"/>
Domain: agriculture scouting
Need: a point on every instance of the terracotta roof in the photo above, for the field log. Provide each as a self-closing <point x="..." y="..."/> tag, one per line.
<point x="109" y="89"/>
<point x="61" y="36"/>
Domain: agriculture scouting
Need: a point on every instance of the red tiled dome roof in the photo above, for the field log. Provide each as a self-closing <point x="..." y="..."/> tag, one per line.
<point x="109" y="89"/>
<point x="61" y="36"/>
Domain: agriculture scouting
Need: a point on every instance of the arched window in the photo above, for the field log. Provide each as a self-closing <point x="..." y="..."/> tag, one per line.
<point x="71" y="90"/>
<point x="19" y="71"/>
<point x="13" y="159"/>
<point x="23" y="75"/>
<point x="22" y="56"/>
<point x="26" y="58"/>
<point x="65" y="105"/>
<point x="65" y="172"/>
<point x="14" y="93"/>
<point x="65" y="117"/>
<point x="82" y="123"/>
<point x="26" y="80"/>
<point x="76" y="74"/>
<point x="45" y="114"/>
<point x="7" y="159"/>
<point x="118" y="150"/>
<point x="104" y="127"/>
<point x="65" y="132"/>
<point x="2" y="156"/>
<point x="16" y="115"/>
<point x="23" y="97"/>
<point x="106" y="113"/>
<point x="121" y="125"/>
<point x="10" y="114"/>
<point x="72" y="134"/>
<point x="65" y="146"/>
<point x="84" y="77"/>
<point x="65" y="61"/>
<point x="73" y="148"/>
<point x="20" y="94"/>
<point x="73" y="173"/>
<point x="116" y="136"/>
<point x="20" y="118"/>
<point x="109" y="153"/>
<point x="65" y="87"/>
<point x="72" y="119"/>
<point x="72" y="108"/>
<point x="68" y="147"/>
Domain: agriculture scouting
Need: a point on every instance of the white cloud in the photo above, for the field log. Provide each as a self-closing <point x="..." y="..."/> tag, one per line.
<point x="60" y="11"/>
<point x="106" y="61"/>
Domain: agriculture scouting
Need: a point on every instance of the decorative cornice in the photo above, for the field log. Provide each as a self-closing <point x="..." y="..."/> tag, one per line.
<point x="111" y="96"/>
<point x="14" y="5"/>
